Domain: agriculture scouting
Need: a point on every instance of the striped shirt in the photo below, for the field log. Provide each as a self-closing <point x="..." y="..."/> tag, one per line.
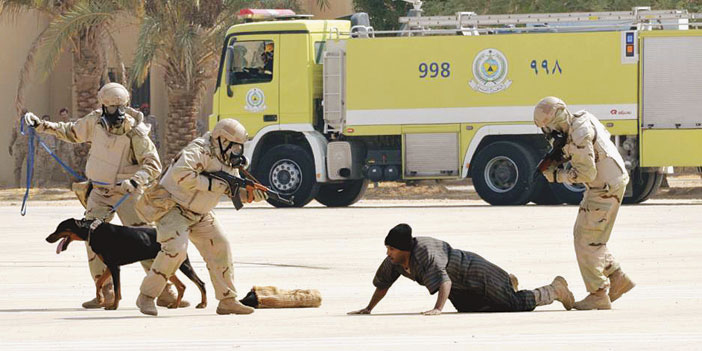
<point x="433" y="262"/>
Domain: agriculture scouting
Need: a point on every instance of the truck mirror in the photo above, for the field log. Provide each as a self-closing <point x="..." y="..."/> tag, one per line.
<point x="228" y="77"/>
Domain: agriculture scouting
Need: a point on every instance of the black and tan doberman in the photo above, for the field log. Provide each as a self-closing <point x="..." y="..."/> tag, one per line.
<point x="116" y="246"/>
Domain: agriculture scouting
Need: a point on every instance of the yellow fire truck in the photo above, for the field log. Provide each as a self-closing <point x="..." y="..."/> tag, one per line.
<point x="332" y="104"/>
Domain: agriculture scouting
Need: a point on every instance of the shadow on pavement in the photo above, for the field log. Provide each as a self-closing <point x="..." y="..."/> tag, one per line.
<point x="15" y="310"/>
<point x="137" y="315"/>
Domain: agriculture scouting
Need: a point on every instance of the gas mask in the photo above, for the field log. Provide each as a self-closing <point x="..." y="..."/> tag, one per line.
<point x="113" y="115"/>
<point x="554" y="137"/>
<point x="232" y="153"/>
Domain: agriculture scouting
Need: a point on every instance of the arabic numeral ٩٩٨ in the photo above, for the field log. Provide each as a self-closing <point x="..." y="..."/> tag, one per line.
<point x="544" y="65"/>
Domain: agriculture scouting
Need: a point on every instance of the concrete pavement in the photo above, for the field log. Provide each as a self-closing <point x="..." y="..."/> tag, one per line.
<point x="337" y="251"/>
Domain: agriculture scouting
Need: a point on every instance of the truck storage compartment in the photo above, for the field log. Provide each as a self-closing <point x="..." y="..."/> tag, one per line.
<point x="431" y="155"/>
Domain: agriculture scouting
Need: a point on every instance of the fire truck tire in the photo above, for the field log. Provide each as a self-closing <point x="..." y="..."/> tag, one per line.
<point x="570" y="194"/>
<point x="546" y="195"/>
<point x="289" y="170"/>
<point x="342" y="194"/>
<point x="644" y="185"/>
<point x="503" y="173"/>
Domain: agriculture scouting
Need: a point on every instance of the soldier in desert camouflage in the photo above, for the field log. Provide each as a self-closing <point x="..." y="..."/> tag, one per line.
<point x="595" y="162"/>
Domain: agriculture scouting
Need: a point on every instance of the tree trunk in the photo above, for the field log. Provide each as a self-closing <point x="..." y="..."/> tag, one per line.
<point x="184" y="109"/>
<point x="88" y="64"/>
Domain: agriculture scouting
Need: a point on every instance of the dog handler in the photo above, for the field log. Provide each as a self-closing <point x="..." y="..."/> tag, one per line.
<point x="470" y="282"/>
<point x="122" y="159"/>
<point x="193" y="196"/>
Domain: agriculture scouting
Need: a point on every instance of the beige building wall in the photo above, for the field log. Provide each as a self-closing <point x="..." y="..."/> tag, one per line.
<point x="16" y="35"/>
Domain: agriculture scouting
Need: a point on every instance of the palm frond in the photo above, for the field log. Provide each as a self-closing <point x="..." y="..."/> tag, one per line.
<point x="186" y="40"/>
<point x="51" y="8"/>
<point x="134" y="7"/>
<point x="323" y="4"/>
<point x="14" y="8"/>
<point x="148" y="44"/>
<point x="80" y="19"/>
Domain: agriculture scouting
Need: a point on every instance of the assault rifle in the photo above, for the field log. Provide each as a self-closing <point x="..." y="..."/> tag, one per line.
<point x="555" y="155"/>
<point x="235" y="183"/>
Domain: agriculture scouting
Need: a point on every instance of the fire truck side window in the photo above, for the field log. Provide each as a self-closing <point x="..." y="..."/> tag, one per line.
<point x="252" y="62"/>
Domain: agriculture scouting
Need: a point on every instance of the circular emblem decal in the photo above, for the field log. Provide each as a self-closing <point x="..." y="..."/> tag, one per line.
<point x="490" y="72"/>
<point x="255" y="100"/>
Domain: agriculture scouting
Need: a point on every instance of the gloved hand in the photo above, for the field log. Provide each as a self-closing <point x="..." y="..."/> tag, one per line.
<point x="255" y="195"/>
<point x="32" y="120"/>
<point x="551" y="174"/>
<point x="218" y="186"/>
<point x="129" y="185"/>
<point x="136" y="114"/>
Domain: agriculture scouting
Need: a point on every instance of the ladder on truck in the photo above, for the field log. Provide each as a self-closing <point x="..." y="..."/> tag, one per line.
<point x="469" y="23"/>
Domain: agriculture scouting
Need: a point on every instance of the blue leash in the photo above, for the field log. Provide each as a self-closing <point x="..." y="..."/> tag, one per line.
<point x="30" y="167"/>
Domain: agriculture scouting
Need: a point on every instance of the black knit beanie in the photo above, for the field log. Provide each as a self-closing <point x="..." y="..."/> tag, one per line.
<point x="400" y="237"/>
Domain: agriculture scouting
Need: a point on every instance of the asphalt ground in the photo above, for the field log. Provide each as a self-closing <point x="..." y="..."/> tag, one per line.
<point x="337" y="251"/>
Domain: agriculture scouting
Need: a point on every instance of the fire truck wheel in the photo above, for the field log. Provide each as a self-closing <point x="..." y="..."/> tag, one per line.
<point x="342" y="194"/>
<point x="571" y="194"/>
<point x="289" y="170"/>
<point x="644" y="185"/>
<point x="503" y="173"/>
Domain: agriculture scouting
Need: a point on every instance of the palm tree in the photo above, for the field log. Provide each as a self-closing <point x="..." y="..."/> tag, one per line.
<point x="81" y="26"/>
<point x="184" y="37"/>
<point x="181" y="36"/>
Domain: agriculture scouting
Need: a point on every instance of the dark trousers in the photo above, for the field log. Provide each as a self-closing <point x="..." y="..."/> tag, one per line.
<point x="490" y="291"/>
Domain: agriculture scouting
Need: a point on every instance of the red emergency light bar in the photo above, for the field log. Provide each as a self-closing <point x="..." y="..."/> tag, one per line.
<point x="265" y="14"/>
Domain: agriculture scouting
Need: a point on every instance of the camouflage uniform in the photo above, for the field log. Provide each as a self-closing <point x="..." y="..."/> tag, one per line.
<point x="152" y="121"/>
<point x="194" y="195"/>
<point x="18" y="150"/>
<point x="137" y="160"/>
<point x="595" y="162"/>
<point x="46" y="169"/>
<point x="192" y="218"/>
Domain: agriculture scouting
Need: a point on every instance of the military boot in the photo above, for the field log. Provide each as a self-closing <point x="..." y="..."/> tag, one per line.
<point x="558" y="291"/>
<point x="598" y="300"/>
<point x="231" y="306"/>
<point x="168" y="298"/>
<point x="108" y="295"/>
<point x="619" y="283"/>
<point x="146" y="305"/>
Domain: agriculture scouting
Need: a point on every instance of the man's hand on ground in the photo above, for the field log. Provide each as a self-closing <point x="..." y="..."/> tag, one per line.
<point x="434" y="312"/>
<point x="361" y="311"/>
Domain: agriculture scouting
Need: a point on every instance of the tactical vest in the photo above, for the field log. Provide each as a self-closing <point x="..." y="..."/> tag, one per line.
<point x="195" y="200"/>
<point x="109" y="159"/>
<point x="608" y="161"/>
